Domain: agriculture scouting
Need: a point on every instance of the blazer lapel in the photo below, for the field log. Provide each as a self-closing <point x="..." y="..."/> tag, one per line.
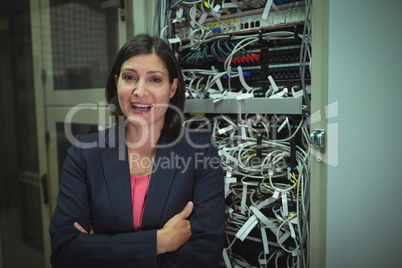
<point x="117" y="178"/>
<point x="162" y="177"/>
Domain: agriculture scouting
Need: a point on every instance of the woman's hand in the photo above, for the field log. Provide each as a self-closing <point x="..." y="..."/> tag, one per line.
<point x="175" y="232"/>
<point x="173" y="235"/>
<point x="82" y="230"/>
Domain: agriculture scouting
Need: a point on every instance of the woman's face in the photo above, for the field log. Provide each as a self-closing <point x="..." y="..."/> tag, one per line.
<point x="144" y="90"/>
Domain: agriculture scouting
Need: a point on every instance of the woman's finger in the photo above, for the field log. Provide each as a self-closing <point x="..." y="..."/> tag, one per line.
<point x="79" y="228"/>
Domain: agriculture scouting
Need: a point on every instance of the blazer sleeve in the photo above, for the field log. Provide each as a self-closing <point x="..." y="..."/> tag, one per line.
<point x="71" y="248"/>
<point x="204" y="249"/>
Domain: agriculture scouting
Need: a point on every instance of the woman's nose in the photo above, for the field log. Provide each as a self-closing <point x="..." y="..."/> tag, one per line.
<point x="140" y="89"/>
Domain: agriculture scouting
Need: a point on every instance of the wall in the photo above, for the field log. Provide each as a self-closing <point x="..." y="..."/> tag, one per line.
<point x="363" y="217"/>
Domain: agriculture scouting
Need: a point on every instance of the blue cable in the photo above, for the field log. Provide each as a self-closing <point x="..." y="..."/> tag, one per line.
<point x="308" y="119"/>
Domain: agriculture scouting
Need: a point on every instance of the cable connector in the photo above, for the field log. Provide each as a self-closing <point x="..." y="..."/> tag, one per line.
<point x="291" y="206"/>
<point x="255" y="57"/>
<point x="217" y="30"/>
<point x="245" y="58"/>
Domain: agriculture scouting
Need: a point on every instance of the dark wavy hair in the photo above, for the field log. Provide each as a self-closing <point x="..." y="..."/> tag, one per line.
<point x="145" y="44"/>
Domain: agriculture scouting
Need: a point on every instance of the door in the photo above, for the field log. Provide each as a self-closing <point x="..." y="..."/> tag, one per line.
<point x="74" y="44"/>
<point x="321" y="111"/>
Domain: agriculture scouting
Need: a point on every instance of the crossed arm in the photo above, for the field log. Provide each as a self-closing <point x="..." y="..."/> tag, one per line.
<point x="173" y="235"/>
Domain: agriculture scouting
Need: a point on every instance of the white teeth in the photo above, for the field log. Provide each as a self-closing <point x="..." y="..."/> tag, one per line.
<point x="141" y="106"/>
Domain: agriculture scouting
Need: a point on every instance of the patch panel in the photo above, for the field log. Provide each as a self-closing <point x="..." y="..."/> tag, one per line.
<point x="247" y="21"/>
<point x="286" y="71"/>
<point x="280" y="60"/>
<point x="255" y="72"/>
<point x="284" y="54"/>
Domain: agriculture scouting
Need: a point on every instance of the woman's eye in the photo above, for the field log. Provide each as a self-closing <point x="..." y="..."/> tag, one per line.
<point x="128" y="77"/>
<point x="155" y="80"/>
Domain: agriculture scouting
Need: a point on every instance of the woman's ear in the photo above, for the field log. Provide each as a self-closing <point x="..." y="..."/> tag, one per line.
<point x="173" y="87"/>
<point x="116" y="79"/>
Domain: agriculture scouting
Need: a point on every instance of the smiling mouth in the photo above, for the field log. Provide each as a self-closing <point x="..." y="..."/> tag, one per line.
<point x="141" y="107"/>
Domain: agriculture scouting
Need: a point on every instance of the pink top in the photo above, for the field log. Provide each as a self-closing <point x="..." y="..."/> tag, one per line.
<point x="139" y="189"/>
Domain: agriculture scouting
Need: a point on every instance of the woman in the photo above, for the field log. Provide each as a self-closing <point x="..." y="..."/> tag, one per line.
<point x="149" y="194"/>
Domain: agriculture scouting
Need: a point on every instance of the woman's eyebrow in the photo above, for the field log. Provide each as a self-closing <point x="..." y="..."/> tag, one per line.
<point x="128" y="69"/>
<point x="152" y="72"/>
<point x="149" y="72"/>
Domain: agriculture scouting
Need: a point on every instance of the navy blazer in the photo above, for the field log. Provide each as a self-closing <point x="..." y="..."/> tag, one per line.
<point x="95" y="190"/>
